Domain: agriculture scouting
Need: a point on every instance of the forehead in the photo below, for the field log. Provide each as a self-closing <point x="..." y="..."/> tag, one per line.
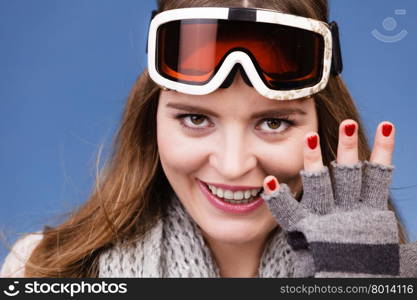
<point x="221" y="103"/>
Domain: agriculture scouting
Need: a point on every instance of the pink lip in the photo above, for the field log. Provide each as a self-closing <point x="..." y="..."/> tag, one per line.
<point x="228" y="207"/>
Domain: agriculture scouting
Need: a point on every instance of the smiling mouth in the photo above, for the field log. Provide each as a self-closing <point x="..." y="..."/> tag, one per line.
<point x="236" y="197"/>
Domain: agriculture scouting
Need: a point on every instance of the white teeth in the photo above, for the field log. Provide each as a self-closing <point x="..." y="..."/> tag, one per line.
<point x="234" y="197"/>
<point x="220" y="192"/>
<point x="238" y="195"/>
<point x="228" y="194"/>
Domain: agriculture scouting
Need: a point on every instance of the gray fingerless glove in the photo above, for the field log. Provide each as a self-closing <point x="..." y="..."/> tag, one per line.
<point x="350" y="233"/>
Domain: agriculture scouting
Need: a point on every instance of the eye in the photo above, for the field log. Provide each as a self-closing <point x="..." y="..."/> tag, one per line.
<point x="275" y="126"/>
<point x="201" y="122"/>
<point x="192" y="121"/>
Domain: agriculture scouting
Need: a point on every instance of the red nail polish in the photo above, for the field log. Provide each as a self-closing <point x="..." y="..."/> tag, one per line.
<point x="272" y="185"/>
<point x="312" y="142"/>
<point x="350" y="129"/>
<point x="386" y="129"/>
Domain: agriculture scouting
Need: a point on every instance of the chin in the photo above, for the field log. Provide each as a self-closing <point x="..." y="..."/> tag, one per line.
<point x="235" y="233"/>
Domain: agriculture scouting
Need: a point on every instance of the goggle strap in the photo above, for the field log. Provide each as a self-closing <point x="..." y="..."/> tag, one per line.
<point x="242" y="14"/>
<point x="337" y="63"/>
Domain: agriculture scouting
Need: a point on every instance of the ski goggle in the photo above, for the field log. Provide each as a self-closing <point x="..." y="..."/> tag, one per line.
<point x="199" y="49"/>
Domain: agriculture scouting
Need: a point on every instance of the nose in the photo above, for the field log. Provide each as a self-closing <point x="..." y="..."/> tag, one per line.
<point x="233" y="157"/>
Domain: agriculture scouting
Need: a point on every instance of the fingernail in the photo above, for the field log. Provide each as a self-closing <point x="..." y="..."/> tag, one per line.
<point x="272" y="185"/>
<point x="312" y="142"/>
<point x="386" y="129"/>
<point x="350" y="129"/>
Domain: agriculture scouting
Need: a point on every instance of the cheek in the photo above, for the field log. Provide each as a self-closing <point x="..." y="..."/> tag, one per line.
<point x="178" y="152"/>
<point x="284" y="160"/>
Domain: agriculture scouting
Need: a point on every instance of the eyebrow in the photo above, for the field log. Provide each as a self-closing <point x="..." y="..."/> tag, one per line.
<point x="273" y="112"/>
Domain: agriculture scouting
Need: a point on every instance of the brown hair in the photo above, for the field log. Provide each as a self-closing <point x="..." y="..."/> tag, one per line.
<point x="131" y="189"/>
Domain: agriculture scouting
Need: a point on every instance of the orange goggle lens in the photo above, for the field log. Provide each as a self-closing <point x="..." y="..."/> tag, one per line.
<point x="192" y="50"/>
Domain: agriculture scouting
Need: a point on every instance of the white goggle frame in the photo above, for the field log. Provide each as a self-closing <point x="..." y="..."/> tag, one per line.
<point x="222" y="13"/>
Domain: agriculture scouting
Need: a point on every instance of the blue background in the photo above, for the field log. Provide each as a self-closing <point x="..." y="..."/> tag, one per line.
<point x="66" y="68"/>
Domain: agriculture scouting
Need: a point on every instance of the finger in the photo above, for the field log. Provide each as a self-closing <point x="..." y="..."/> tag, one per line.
<point x="312" y="153"/>
<point x="317" y="195"/>
<point x="347" y="180"/>
<point x="286" y="210"/>
<point x="317" y="191"/>
<point x="270" y="184"/>
<point x="375" y="187"/>
<point x="347" y="148"/>
<point x="383" y="144"/>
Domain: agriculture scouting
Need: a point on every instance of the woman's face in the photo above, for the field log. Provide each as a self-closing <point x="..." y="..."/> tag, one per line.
<point x="233" y="137"/>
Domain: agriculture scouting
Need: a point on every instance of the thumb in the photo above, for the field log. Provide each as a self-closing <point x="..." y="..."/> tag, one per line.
<point x="284" y="208"/>
<point x="270" y="184"/>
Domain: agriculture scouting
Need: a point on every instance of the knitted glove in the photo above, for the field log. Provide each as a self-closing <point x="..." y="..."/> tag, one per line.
<point x="350" y="233"/>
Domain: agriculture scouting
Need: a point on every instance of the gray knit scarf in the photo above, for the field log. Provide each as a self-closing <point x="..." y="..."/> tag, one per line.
<point x="175" y="248"/>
